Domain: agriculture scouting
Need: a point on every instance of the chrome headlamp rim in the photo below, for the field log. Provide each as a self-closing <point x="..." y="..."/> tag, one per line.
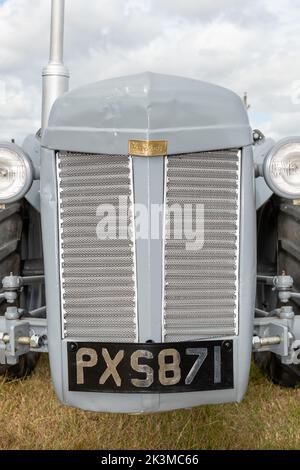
<point x="29" y="172"/>
<point x="267" y="168"/>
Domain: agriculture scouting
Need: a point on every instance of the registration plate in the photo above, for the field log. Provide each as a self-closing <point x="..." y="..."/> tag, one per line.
<point x="150" y="368"/>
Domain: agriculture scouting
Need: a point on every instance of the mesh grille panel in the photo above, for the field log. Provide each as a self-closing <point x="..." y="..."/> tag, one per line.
<point x="201" y="286"/>
<point x="97" y="276"/>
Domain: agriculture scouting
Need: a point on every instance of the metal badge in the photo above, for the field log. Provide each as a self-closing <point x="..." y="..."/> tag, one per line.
<point x="148" y="148"/>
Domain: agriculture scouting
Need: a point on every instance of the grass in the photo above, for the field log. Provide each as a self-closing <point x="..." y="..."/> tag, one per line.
<point x="32" y="418"/>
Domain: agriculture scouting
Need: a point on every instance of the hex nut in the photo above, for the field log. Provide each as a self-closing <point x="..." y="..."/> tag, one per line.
<point x="283" y="282"/>
<point x="287" y="312"/>
<point x="11" y="282"/>
<point x="12" y="313"/>
<point x="36" y="341"/>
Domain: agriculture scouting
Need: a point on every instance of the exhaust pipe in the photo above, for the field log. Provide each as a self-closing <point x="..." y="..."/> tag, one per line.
<point x="55" y="74"/>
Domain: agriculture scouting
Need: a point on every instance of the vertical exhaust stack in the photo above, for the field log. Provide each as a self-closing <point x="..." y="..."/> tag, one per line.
<point x="55" y="74"/>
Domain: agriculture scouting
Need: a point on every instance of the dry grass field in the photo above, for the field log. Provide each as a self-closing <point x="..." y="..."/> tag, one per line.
<point x="32" y="418"/>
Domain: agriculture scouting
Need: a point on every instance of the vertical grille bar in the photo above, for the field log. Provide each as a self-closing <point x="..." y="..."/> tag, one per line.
<point x="201" y="286"/>
<point x="97" y="276"/>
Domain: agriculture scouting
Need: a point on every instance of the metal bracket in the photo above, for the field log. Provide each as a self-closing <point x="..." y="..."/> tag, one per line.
<point x="17" y="331"/>
<point x="18" y="337"/>
<point x="13" y="349"/>
<point x="18" y="334"/>
<point x="273" y="328"/>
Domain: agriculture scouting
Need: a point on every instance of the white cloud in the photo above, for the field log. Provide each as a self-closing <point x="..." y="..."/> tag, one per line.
<point x="251" y="46"/>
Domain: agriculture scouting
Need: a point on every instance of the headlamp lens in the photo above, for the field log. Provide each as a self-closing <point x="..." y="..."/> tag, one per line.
<point x="282" y="170"/>
<point x="15" y="174"/>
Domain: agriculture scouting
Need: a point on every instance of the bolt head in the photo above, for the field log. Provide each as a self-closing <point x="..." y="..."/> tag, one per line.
<point x="227" y="346"/>
<point x="73" y="347"/>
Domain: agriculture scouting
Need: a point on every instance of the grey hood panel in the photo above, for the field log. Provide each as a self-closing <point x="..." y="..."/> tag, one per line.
<point x="191" y="115"/>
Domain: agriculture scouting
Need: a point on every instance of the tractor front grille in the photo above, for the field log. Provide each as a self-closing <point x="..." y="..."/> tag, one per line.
<point x="201" y="286"/>
<point x="98" y="277"/>
<point x="98" y="292"/>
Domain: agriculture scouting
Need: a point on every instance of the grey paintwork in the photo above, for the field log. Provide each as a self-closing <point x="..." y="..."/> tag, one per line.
<point x="190" y="114"/>
<point x="32" y="147"/>
<point x="149" y="186"/>
<point x="210" y="131"/>
<point x="49" y="216"/>
<point x="260" y="151"/>
<point x="248" y="270"/>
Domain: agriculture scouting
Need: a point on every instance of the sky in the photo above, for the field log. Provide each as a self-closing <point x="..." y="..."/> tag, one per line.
<point x="245" y="46"/>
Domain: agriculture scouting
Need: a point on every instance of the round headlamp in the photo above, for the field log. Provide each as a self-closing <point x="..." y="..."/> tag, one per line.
<point x="282" y="168"/>
<point x="16" y="173"/>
